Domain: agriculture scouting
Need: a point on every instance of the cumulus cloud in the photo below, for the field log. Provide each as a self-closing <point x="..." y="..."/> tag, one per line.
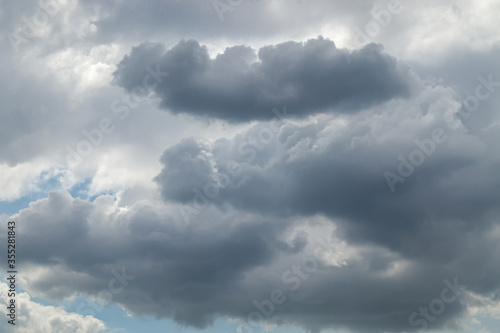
<point x="162" y="253"/>
<point x="222" y="263"/>
<point x="337" y="166"/>
<point x="373" y="191"/>
<point x="33" y="317"/>
<point x="345" y="168"/>
<point x="240" y="85"/>
<point x="245" y="233"/>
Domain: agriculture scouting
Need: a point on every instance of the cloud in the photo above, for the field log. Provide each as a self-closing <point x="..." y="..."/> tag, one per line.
<point x="199" y="262"/>
<point x="240" y="85"/>
<point x="243" y="205"/>
<point x="33" y="317"/>
<point x="222" y="263"/>
<point x="169" y="19"/>
<point x="335" y="165"/>
<point x="291" y="178"/>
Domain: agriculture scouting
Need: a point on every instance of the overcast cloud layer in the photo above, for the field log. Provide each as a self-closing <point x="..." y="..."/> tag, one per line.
<point x="246" y="166"/>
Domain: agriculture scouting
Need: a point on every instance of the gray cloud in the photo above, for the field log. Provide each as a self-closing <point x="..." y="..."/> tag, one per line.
<point x="189" y="267"/>
<point x="318" y="168"/>
<point x="239" y="85"/>
<point x="438" y="225"/>
<point x="263" y="196"/>
<point x="169" y="19"/>
<point x="216" y="266"/>
<point x="433" y="219"/>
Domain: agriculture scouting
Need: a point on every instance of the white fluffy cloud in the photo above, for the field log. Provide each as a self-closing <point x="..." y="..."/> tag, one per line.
<point x="33" y="317"/>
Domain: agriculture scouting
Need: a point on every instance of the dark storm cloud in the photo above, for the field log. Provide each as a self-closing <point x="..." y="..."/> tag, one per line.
<point x="436" y="218"/>
<point x="240" y="85"/>
<point x="218" y="266"/>
<point x="183" y="268"/>
<point x="297" y="173"/>
<point x="197" y="273"/>
<point x="189" y="157"/>
<point x="357" y="114"/>
<point x="438" y="225"/>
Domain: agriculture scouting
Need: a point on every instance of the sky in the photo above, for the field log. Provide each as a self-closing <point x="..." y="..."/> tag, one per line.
<point x="250" y="166"/>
